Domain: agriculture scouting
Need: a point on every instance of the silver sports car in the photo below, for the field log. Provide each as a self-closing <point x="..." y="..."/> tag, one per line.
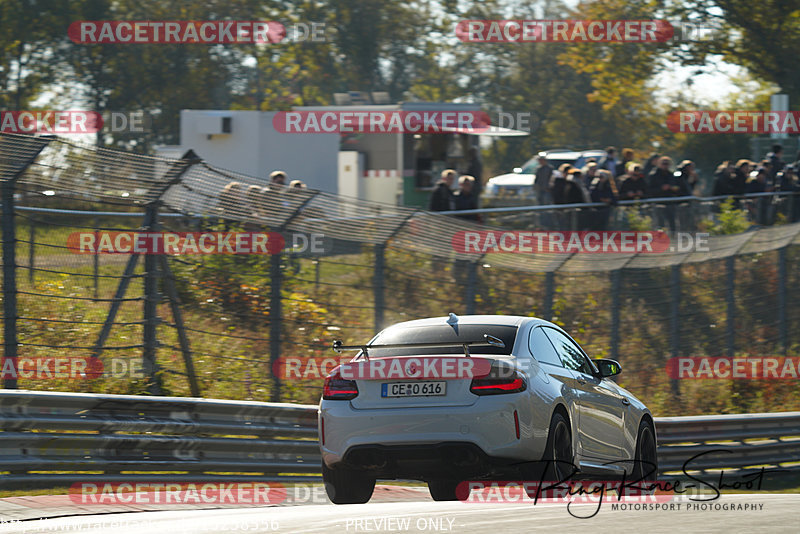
<point x="449" y="399"/>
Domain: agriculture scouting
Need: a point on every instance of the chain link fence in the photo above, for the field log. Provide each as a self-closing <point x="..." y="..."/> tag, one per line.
<point x="224" y="325"/>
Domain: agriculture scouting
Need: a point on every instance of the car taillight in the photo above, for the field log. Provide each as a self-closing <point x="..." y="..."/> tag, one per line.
<point x="337" y="388"/>
<point x="498" y="385"/>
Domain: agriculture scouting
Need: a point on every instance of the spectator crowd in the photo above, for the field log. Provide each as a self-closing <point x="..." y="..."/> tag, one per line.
<point x="609" y="180"/>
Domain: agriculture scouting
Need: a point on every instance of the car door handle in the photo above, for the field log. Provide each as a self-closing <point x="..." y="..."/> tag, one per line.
<point x="626" y="402"/>
<point x="581" y="381"/>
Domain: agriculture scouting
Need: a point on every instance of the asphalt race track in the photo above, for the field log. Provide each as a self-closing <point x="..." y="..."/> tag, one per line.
<point x="766" y="513"/>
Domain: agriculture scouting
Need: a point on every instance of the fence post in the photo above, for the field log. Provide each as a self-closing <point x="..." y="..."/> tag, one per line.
<point x="674" y="320"/>
<point x="31" y="247"/>
<point x="549" y="291"/>
<point x="730" y="286"/>
<point x="9" y="284"/>
<point x="275" y="319"/>
<point x="782" y="326"/>
<point x="149" y="338"/>
<point x="183" y="339"/>
<point x="616" y="276"/>
<point x="9" y="232"/>
<point x="472" y="282"/>
<point x="378" y="286"/>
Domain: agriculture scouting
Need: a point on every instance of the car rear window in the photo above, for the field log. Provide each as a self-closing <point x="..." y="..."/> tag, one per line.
<point x="444" y="333"/>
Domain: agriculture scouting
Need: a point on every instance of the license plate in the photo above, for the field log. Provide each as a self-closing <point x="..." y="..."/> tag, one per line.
<point x="413" y="389"/>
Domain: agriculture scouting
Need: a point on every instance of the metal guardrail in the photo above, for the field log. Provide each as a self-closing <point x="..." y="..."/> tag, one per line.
<point x="731" y="442"/>
<point x="47" y="436"/>
<point x="50" y="439"/>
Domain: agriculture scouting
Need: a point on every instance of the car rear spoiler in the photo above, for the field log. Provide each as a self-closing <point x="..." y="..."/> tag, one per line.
<point x="490" y="341"/>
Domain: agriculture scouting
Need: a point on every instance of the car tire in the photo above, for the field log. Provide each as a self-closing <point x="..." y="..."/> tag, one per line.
<point x="347" y="486"/>
<point x="558" y="455"/>
<point x="645" y="467"/>
<point x="445" y="490"/>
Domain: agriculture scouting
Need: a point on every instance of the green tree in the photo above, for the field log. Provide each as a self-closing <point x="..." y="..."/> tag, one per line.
<point x="30" y="38"/>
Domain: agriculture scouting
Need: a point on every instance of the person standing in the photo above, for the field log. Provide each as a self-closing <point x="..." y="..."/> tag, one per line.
<point x="603" y="189"/>
<point x="475" y="170"/>
<point x="633" y="186"/>
<point x="662" y="182"/>
<point x="609" y="161"/>
<point x="627" y="157"/>
<point x="442" y="198"/>
<point x="776" y="159"/>
<point x="541" y="184"/>
<point x="465" y="198"/>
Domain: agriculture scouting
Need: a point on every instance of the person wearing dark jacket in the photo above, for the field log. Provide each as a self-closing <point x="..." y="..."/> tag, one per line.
<point x="603" y="189"/>
<point x="559" y="182"/>
<point x="633" y="186"/>
<point x="465" y="198"/>
<point x="651" y="163"/>
<point x="622" y="166"/>
<point x="759" y="182"/>
<point x="689" y="176"/>
<point x="662" y="182"/>
<point x="740" y="176"/>
<point x="775" y="158"/>
<point x="442" y="198"/>
<point x="575" y="192"/>
<point x="724" y="179"/>
<point x="609" y="161"/>
<point x="475" y="169"/>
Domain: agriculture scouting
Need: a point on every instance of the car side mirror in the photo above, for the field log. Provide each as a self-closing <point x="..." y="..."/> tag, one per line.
<point x="607" y="367"/>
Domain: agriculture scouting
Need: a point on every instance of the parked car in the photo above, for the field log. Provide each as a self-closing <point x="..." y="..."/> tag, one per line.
<point x="520" y="182"/>
<point x="533" y="404"/>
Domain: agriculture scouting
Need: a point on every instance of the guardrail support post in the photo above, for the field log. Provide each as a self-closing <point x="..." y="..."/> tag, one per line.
<point x="378" y="285"/>
<point x="275" y="276"/>
<point x="782" y="326"/>
<point x="674" y="320"/>
<point x="730" y="286"/>
<point x="616" y="276"/>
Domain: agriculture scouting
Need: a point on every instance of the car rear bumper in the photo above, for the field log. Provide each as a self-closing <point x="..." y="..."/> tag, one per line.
<point x="422" y="438"/>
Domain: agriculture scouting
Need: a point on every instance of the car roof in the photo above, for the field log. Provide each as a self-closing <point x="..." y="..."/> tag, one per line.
<point x="567" y="154"/>
<point x="513" y="179"/>
<point x="503" y="320"/>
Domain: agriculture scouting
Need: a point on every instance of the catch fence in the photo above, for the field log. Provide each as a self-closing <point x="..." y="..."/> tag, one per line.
<point x="224" y="325"/>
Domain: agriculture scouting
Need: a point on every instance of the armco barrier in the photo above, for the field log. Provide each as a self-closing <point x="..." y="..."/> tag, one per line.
<point x="104" y="436"/>
<point x="51" y="439"/>
<point x="729" y="442"/>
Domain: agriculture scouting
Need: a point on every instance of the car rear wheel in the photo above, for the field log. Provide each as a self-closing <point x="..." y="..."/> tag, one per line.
<point x="645" y="467"/>
<point x="558" y="451"/>
<point x="444" y="489"/>
<point x="347" y="486"/>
